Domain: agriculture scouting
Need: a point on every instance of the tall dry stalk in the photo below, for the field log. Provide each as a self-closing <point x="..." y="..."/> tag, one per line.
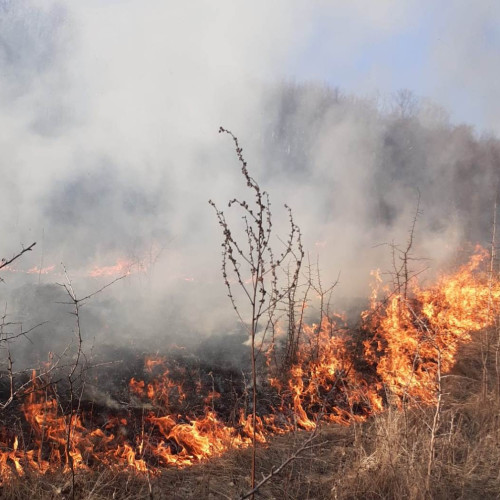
<point x="485" y="343"/>
<point x="250" y="260"/>
<point x="435" y="421"/>
<point x="77" y="369"/>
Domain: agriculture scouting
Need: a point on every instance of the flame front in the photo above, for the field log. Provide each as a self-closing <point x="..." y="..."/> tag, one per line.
<point x="337" y="376"/>
<point x="431" y="324"/>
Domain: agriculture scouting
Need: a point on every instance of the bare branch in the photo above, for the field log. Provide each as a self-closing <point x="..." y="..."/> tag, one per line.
<point x="5" y="262"/>
<point x="274" y="472"/>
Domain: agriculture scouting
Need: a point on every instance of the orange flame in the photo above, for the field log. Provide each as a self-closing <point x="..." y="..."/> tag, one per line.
<point x="405" y="338"/>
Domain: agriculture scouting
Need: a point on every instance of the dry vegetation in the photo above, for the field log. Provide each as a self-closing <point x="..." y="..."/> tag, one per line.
<point x="384" y="457"/>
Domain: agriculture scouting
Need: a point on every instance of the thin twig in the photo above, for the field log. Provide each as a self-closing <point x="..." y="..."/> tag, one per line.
<point x="5" y="262"/>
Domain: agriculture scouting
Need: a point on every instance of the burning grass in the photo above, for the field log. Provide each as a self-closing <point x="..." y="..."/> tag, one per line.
<point x="384" y="457"/>
<point x="414" y="432"/>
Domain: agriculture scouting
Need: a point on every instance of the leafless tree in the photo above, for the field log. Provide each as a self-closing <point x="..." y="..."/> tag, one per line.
<point x="404" y="103"/>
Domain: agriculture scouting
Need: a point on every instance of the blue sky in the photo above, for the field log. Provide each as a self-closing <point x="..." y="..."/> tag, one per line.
<point x="446" y="51"/>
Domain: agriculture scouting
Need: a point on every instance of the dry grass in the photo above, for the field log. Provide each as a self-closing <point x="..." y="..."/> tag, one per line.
<point x="385" y="457"/>
<point x="390" y="453"/>
<point x="224" y="477"/>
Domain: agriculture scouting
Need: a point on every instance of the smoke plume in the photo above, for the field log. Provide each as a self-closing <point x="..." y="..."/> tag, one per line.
<point x="110" y="152"/>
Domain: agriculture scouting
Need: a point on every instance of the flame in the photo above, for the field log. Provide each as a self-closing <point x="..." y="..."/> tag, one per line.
<point x="337" y="375"/>
<point x="41" y="270"/>
<point x="415" y="331"/>
<point x="122" y="267"/>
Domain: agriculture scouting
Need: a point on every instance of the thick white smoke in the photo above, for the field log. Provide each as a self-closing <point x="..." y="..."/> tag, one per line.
<point x="109" y="117"/>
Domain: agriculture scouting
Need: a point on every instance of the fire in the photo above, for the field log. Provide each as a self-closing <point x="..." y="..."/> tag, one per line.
<point x="41" y="270"/>
<point x="338" y="375"/>
<point x="122" y="267"/>
<point x="431" y="324"/>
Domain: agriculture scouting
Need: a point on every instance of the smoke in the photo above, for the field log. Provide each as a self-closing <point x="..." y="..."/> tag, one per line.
<point x="110" y="112"/>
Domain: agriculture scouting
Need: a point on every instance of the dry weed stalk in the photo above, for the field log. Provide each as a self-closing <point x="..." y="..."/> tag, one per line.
<point x="10" y="331"/>
<point x="486" y="340"/>
<point x="277" y="470"/>
<point x="73" y="376"/>
<point x="254" y="265"/>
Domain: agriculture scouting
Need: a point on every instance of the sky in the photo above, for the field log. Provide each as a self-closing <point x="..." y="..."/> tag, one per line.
<point x="110" y="111"/>
<point x="447" y="51"/>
